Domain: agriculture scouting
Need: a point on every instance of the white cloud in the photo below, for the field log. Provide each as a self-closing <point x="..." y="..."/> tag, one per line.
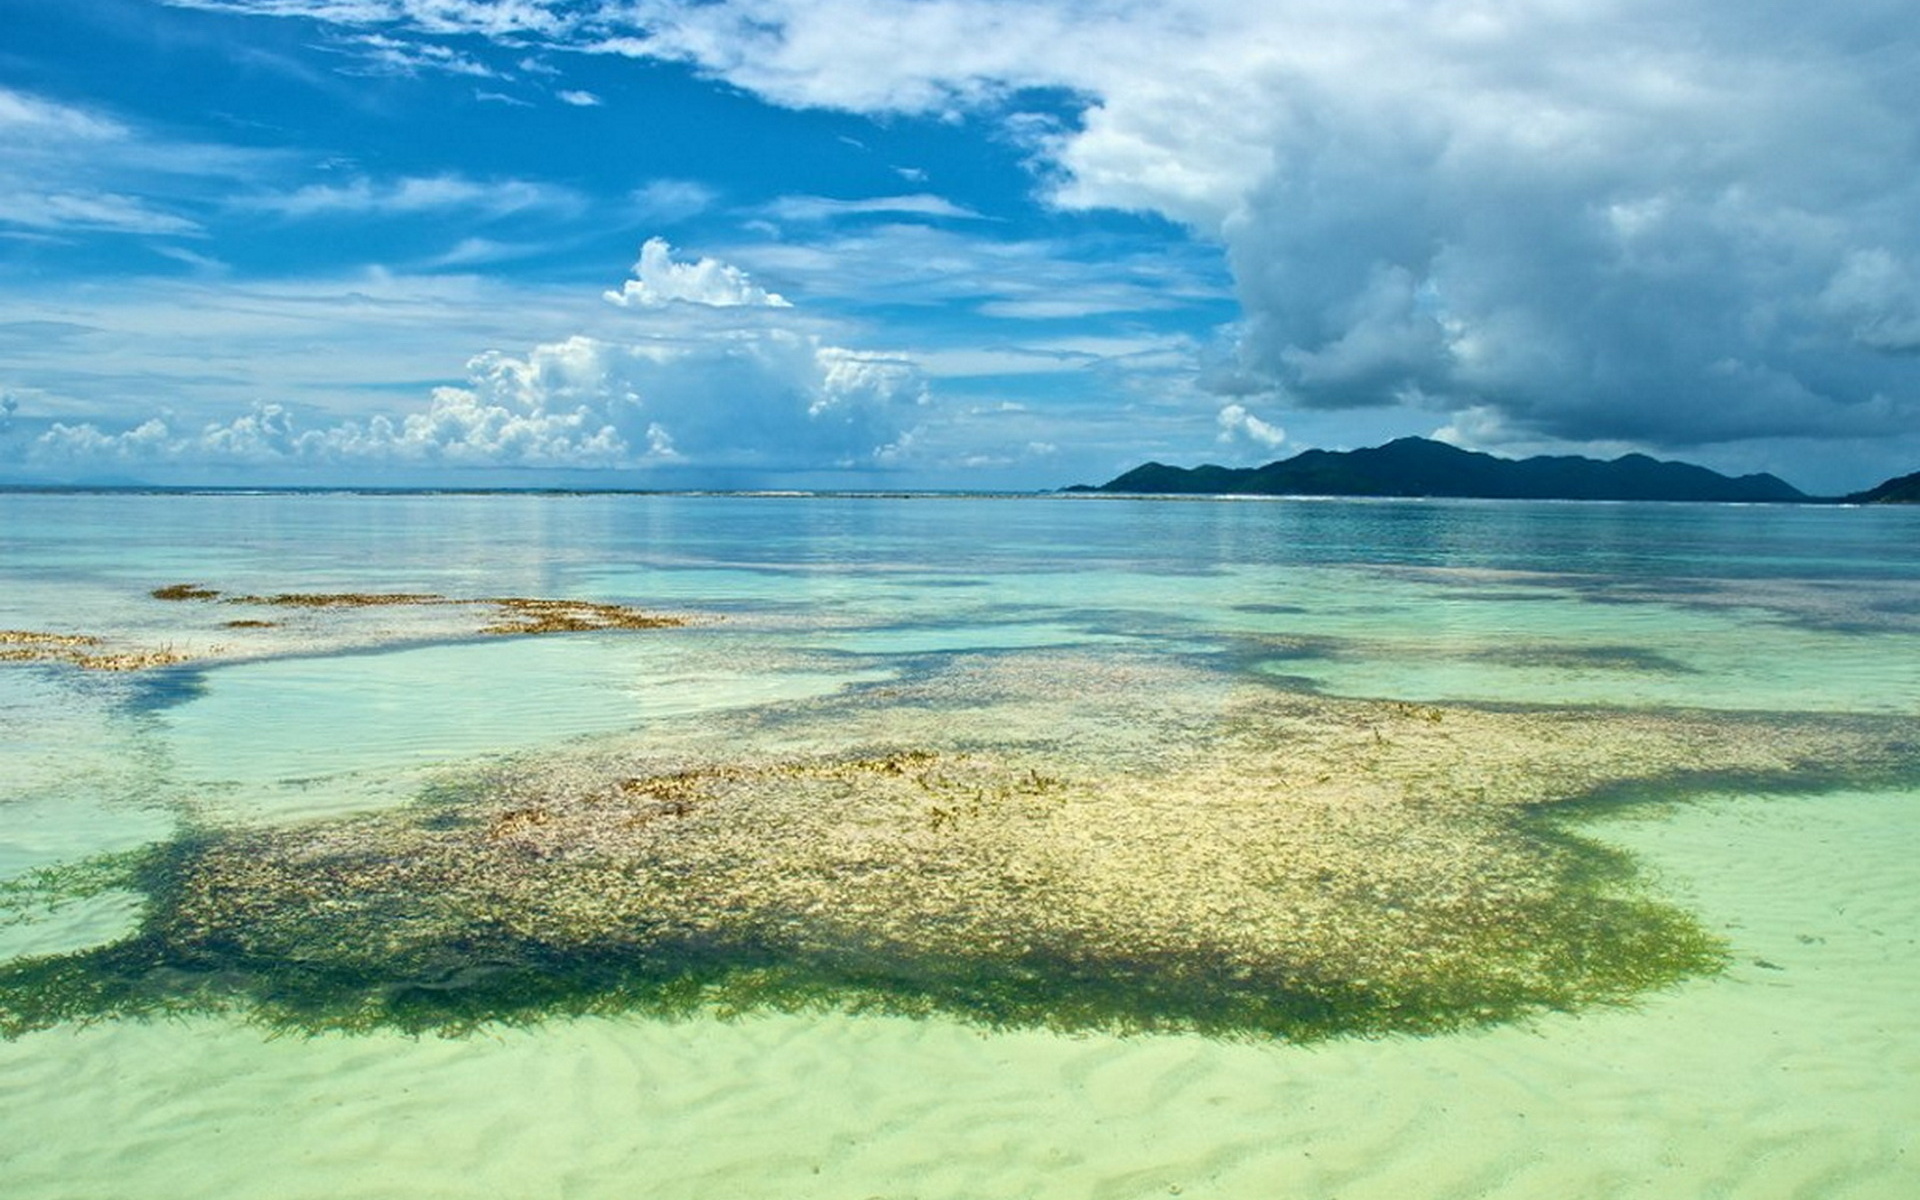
<point x="1076" y="305"/>
<point x="419" y="195"/>
<point x="915" y="264"/>
<point x="767" y="399"/>
<point x="99" y="211"/>
<point x="1568" y="213"/>
<point x="1237" y="424"/>
<point x="1595" y="222"/>
<point x="579" y="99"/>
<point x="498" y="18"/>
<point x="65" y="168"/>
<point x="474" y="251"/>
<point x="27" y="119"/>
<point x="870" y="55"/>
<point x="823" y="208"/>
<point x="384" y="55"/>
<point x="208" y="346"/>
<point x="459" y="427"/>
<point x="983" y="361"/>
<point x="688" y="383"/>
<point x="203" y="264"/>
<point x="1145" y="354"/>
<point x="669" y="201"/>
<point x="659" y="280"/>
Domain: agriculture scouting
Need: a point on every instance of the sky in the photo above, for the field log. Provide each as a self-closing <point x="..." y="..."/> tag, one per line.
<point x="949" y="244"/>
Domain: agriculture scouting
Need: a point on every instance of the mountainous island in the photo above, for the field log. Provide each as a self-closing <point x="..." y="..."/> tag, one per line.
<point x="1419" y="467"/>
<point x="1904" y="490"/>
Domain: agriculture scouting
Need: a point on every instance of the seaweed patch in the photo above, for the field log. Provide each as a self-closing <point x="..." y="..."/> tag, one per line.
<point x="26" y="642"/>
<point x="505" y="615"/>
<point x="1282" y="866"/>
<point x="326" y="621"/>
<point x="81" y="650"/>
<point x="514" y="615"/>
<point x="1587" y="658"/>
<point x="339" y="599"/>
<point x="183" y="591"/>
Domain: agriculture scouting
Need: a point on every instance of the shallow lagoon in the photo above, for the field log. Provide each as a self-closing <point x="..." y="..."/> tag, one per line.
<point x="1787" y="1073"/>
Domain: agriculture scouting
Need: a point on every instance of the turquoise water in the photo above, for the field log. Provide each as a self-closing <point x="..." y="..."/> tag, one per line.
<point x="1803" y="1063"/>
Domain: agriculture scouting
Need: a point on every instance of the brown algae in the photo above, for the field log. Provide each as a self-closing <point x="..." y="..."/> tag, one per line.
<point x="80" y="650"/>
<point x="340" y="599"/>
<point x="509" y="615"/>
<point x="494" y="616"/>
<point x="1293" y="866"/>
<point x="515" y="615"/>
<point x="183" y="591"/>
<point x="26" y="642"/>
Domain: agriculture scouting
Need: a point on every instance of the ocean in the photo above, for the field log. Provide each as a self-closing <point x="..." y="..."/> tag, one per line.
<point x="614" y="845"/>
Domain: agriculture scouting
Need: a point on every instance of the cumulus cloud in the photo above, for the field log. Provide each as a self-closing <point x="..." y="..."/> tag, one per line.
<point x="1680" y="226"/>
<point x="658" y="280"/>
<point x="458" y="427"/>
<point x="774" y="400"/>
<point x="872" y="55"/>
<point x="1609" y="221"/>
<point x="1237" y="424"/>
<point x="695" y="382"/>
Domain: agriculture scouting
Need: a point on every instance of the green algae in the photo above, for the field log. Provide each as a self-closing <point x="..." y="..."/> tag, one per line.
<point x="1192" y="853"/>
<point x="48" y="888"/>
<point x="1627" y="659"/>
<point x="315" y="967"/>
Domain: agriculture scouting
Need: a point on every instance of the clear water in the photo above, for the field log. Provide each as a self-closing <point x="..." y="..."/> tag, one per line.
<point x="1790" y="1075"/>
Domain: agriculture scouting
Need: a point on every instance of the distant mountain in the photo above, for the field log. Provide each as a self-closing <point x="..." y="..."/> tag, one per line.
<point x="1904" y="490"/>
<point x="1419" y="467"/>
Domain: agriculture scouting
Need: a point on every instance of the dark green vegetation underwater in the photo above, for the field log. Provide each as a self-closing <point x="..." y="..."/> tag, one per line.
<point x="1226" y="858"/>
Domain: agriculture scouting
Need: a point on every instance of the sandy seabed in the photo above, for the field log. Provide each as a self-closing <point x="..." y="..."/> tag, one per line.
<point x="1789" y="1076"/>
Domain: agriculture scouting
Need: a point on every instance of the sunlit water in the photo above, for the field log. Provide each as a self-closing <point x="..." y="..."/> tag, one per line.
<point x="1792" y="1074"/>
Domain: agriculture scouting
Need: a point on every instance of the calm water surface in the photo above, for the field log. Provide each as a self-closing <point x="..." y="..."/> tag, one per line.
<point x="1790" y="1075"/>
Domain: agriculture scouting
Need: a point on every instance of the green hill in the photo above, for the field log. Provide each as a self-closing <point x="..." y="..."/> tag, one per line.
<point x="1419" y="467"/>
<point x="1904" y="490"/>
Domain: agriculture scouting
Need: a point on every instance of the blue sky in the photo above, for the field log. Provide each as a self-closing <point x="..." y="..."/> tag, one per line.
<point x="948" y="243"/>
